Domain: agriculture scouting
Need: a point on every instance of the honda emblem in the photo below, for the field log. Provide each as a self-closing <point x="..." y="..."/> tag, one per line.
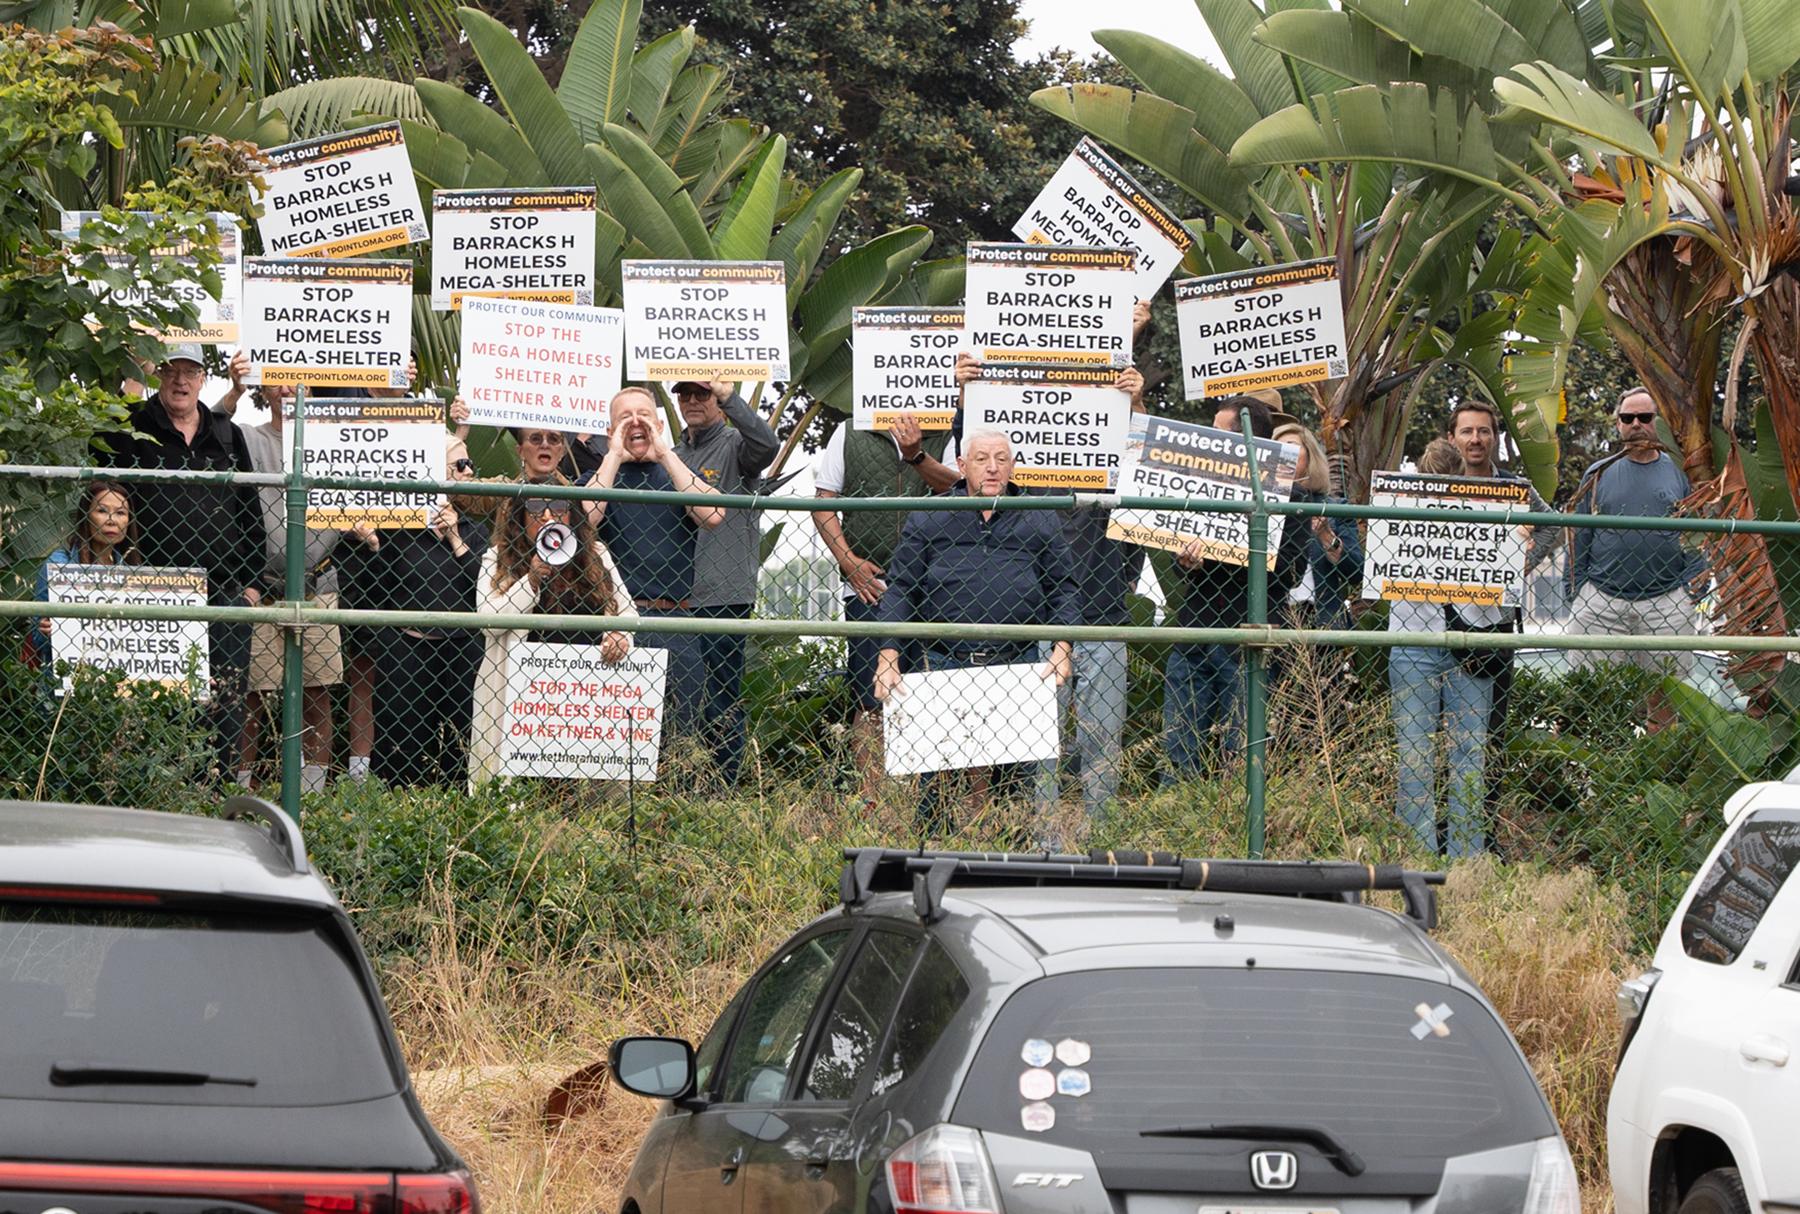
<point x="1274" y="1169"/>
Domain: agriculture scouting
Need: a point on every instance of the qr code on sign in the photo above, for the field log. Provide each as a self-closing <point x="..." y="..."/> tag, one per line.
<point x="1337" y="367"/>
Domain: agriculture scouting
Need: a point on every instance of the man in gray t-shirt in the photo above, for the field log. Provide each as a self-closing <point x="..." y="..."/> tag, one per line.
<point x="1634" y="583"/>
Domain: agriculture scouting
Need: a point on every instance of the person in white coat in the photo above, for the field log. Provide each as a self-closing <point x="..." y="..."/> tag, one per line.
<point x="515" y="580"/>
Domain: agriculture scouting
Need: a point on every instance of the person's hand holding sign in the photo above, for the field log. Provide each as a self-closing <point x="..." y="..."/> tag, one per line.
<point x="968" y="368"/>
<point x="1131" y="383"/>
<point x="887" y="675"/>
<point x="907" y="436"/>
<point x="614" y="646"/>
<point x="1140" y="318"/>
<point x="1191" y="555"/>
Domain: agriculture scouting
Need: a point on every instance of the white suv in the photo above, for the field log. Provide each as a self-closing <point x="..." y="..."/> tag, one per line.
<point x="1705" y="1104"/>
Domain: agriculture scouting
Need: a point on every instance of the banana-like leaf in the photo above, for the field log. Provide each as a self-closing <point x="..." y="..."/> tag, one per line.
<point x="697" y="92"/>
<point x="173" y="18"/>
<point x="1487" y="35"/>
<point x="1157" y="132"/>
<point x="858" y="277"/>
<point x="1403" y="124"/>
<point x="1222" y="111"/>
<point x="609" y="249"/>
<point x="713" y="160"/>
<point x="437" y="342"/>
<point x="336" y="103"/>
<point x="482" y="128"/>
<point x="1354" y="48"/>
<point x="596" y="77"/>
<point x="742" y="232"/>
<point x="661" y="183"/>
<point x="653" y="233"/>
<point x="803" y="235"/>
<point x="1555" y="97"/>
<point x="1704" y="43"/>
<point x="190" y="99"/>
<point x="1480" y="347"/>
<point x="526" y="98"/>
<point x="440" y="160"/>
<point x="1771" y="36"/>
<point x="1262" y="73"/>
<point x="930" y="284"/>
<point x="653" y="72"/>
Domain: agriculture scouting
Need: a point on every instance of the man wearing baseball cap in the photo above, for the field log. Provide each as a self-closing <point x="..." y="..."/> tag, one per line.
<point x="216" y="527"/>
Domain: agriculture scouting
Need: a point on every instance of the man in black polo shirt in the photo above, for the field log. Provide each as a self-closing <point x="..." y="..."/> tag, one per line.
<point x="652" y="544"/>
<point x="216" y="527"/>
<point x="981" y="567"/>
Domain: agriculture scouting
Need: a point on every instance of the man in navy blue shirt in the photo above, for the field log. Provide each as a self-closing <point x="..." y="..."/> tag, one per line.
<point x="652" y="544"/>
<point x="981" y="567"/>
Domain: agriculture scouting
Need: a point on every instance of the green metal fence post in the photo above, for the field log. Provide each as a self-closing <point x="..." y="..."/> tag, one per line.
<point x="293" y="693"/>
<point x="1256" y="658"/>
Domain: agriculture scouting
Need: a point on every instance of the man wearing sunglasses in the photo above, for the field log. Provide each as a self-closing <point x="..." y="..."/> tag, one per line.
<point x="1635" y="583"/>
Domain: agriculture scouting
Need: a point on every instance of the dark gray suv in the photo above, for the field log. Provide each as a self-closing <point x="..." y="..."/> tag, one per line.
<point x="1107" y="1034"/>
<point x="188" y="1026"/>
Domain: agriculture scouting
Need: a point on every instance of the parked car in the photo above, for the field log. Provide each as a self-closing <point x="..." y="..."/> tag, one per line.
<point x="188" y="1025"/>
<point x="981" y="1032"/>
<point x="1703" y="1108"/>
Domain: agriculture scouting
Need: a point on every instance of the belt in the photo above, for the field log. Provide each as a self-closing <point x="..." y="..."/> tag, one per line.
<point x="665" y="604"/>
<point x="997" y="656"/>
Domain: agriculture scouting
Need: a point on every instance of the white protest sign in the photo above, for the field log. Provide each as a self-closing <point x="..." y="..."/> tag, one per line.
<point x="327" y="324"/>
<point x="539" y="364"/>
<point x="1068" y="425"/>
<point x="1267" y="328"/>
<point x="706" y="320"/>
<point x="1442" y="560"/>
<point x="1174" y="459"/>
<point x="340" y="195"/>
<point x="568" y="714"/>
<point x="512" y="244"/>
<point x="150" y="651"/>
<point x="1090" y="200"/>
<point x="981" y="716"/>
<point x="390" y="440"/>
<point x="905" y="362"/>
<point x="216" y="320"/>
<point x="1033" y="303"/>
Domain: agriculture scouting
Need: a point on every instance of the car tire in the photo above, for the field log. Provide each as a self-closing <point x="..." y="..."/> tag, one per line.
<point x="1720" y="1191"/>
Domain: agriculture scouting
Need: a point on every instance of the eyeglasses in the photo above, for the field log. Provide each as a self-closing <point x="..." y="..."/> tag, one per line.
<point x="462" y="465"/>
<point x="692" y="393"/>
<point x="1642" y="419"/>
<point x="541" y="438"/>
<point x="535" y="506"/>
<point x="183" y="371"/>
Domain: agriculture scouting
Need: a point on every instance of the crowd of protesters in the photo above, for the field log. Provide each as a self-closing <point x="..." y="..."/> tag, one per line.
<point x="426" y="704"/>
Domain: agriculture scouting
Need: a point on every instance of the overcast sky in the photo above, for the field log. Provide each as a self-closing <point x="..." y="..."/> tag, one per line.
<point x="1068" y="23"/>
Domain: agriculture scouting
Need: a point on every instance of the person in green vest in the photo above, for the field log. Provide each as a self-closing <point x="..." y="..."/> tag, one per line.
<point x="900" y="462"/>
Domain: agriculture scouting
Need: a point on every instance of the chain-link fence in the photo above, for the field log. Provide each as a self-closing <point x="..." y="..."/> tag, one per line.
<point x="1010" y="667"/>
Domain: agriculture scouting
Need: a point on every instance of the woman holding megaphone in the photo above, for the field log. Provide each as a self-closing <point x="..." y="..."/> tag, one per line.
<point x="544" y="560"/>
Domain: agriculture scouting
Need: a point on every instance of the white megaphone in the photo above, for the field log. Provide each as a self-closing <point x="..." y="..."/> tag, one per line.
<point x="556" y="544"/>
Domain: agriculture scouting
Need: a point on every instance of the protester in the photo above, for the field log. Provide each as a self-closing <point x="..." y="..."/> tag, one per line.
<point x="1200" y="682"/>
<point x="1442" y="689"/>
<point x="900" y="462"/>
<point x="731" y="459"/>
<point x="423" y="702"/>
<point x="1334" y="553"/>
<point x="213" y="526"/>
<point x="652" y="543"/>
<point x="980" y="567"/>
<point x="105" y="534"/>
<point x="322" y="660"/>
<point x="1635" y="583"/>
<point x="515" y="580"/>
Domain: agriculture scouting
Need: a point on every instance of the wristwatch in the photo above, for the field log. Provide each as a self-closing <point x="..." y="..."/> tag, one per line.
<point x="916" y="460"/>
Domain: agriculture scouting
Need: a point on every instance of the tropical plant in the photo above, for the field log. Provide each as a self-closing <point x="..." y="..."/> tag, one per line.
<point x="1413" y="271"/>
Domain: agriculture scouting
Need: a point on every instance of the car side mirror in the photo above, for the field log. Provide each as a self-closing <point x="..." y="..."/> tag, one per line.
<point x="660" y="1067"/>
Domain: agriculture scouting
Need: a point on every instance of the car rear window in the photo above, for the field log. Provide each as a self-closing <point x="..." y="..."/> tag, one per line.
<point x="266" y="998"/>
<point x="1361" y="1055"/>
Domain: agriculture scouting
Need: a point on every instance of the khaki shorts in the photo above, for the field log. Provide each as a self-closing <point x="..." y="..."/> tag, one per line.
<point x="322" y="654"/>
<point x="1670" y="615"/>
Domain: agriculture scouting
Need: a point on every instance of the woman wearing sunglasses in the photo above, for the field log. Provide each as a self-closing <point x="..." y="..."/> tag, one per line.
<point x="515" y="580"/>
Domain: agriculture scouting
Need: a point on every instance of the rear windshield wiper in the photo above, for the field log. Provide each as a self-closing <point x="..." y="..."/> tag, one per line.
<point x="75" y="1074"/>
<point x="1348" y="1162"/>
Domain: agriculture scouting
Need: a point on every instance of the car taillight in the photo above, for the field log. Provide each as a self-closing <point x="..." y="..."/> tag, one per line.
<point x="444" y="1193"/>
<point x="1554" y="1187"/>
<point x="945" y="1170"/>
<point x="274" y="1191"/>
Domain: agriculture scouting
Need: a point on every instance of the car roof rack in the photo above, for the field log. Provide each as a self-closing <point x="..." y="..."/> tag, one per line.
<point x="284" y="832"/>
<point x="871" y="870"/>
